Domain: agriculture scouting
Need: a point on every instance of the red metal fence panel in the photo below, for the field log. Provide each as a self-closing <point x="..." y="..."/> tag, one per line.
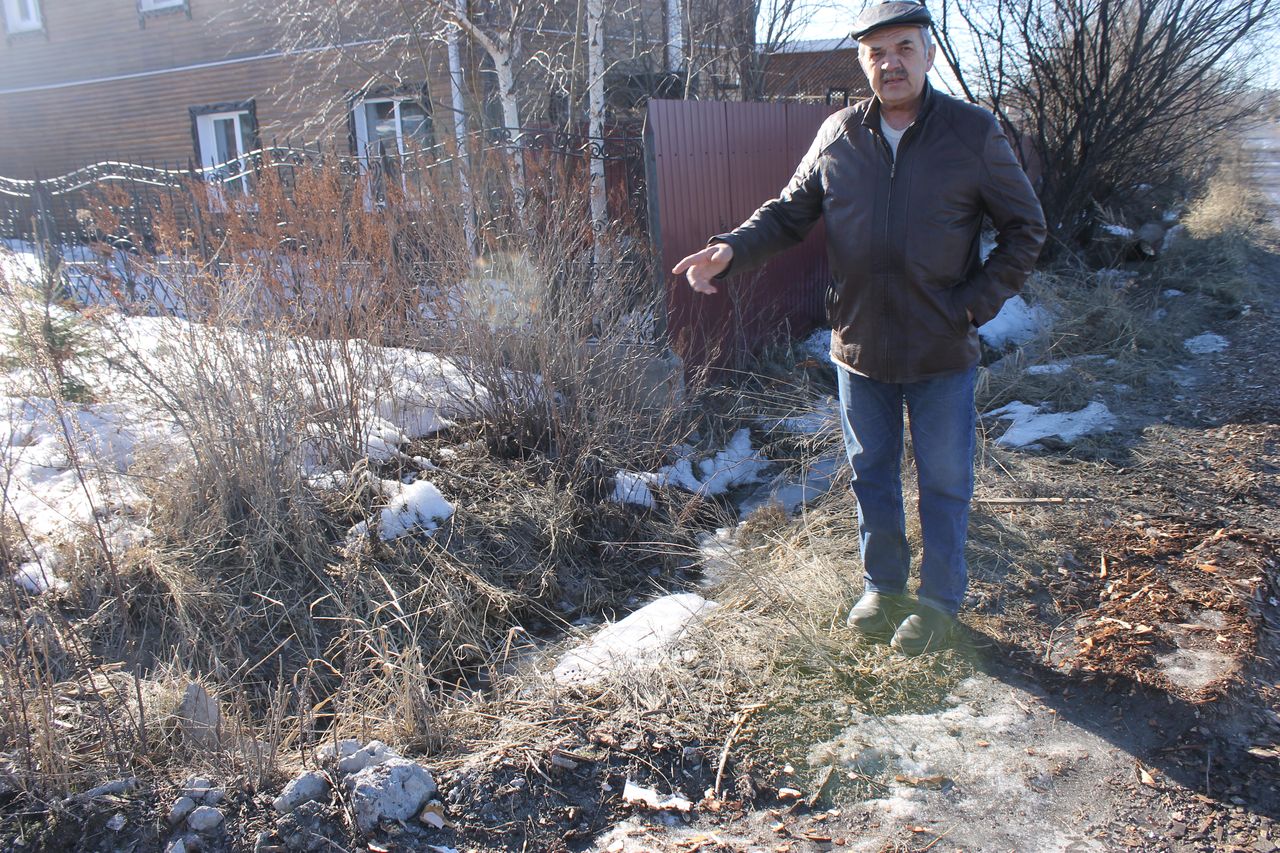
<point x="709" y="165"/>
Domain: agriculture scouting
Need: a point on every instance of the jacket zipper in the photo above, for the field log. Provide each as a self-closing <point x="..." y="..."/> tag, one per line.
<point x="884" y="286"/>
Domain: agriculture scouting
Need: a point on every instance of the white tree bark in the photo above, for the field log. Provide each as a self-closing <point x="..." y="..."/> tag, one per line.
<point x="595" y="119"/>
<point x="460" y="134"/>
<point x="503" y="53"/>
<point x="675" y="37"/>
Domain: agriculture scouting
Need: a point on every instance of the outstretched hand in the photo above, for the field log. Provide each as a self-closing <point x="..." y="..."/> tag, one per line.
<point x="700" y="267"/>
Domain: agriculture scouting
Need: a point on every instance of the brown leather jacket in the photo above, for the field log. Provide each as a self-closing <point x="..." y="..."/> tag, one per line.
<point x="903" y="236"/>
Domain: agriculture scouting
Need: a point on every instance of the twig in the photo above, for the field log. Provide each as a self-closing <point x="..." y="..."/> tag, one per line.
<point x="822" y="786"/>
<point x="1031" y="501"/>
<point x="119" y="786"/>
<point x="743" y="716"/>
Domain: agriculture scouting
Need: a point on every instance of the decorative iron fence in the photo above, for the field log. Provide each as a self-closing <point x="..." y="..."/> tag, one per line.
<point x="56" y="218"/>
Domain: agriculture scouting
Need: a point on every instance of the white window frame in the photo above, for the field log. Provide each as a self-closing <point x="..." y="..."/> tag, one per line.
<point x="205" y="133"/>
<point x="16" y="23"/>
<point x="362" y="124"/>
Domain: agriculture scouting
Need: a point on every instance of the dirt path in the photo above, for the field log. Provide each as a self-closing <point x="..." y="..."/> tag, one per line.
<point x="1145" y="718"/>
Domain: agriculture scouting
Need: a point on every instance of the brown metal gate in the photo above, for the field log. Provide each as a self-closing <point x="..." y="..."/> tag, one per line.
<point x="709" y="165"/>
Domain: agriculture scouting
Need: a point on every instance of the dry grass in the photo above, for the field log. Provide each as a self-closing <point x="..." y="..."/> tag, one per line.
<point x="267" y="367"/>
<point x="443" y="644"/>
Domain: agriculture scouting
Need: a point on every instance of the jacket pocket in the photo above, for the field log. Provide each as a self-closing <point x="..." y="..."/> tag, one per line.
<point x="959" y="313"/>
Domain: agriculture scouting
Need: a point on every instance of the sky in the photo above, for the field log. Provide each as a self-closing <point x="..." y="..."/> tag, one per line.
<point x="835" y="21"/>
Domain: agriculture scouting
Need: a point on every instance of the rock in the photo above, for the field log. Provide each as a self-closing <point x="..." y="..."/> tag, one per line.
<point x="306" y="788"/>
<point x="265" y="844"/>
<point x="307" y="828"/>
<point x="116" y="822"/>
<point x="181" y="807"/>
<point x="395" y="789"/>
<point x="187" y="843"/>
<point x="205" y="819"/>
<point x="1151" y="238"/>
<point x="200" y="789"/>
<point x="199" y="717"/>
<point x="341" y="749"/>
<point x="374" y="752"/>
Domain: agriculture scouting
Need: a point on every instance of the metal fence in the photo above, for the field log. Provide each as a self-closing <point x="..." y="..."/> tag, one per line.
<point x="699" y="169"/>
<point x="710" y="165"/>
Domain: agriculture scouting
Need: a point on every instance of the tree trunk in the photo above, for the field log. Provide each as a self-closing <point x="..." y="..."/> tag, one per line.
<point x="595" y="123"/>
<point x="460" y="134"/>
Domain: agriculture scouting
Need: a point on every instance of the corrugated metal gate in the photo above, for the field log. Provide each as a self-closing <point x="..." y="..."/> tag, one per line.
<point x="709" y="165"/>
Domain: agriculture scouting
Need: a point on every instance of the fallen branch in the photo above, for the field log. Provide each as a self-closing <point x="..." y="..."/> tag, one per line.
<point x="743" y="716"/>
<point x="1031" y="501"/>
<point x="119" y="786"/>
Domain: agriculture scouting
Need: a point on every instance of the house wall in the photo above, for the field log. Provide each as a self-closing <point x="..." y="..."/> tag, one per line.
<point x="812" y="74"/>
<point x="100" y="83"/>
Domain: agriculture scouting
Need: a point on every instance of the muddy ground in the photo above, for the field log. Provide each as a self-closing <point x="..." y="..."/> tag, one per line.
<point x="1126" y="699"/>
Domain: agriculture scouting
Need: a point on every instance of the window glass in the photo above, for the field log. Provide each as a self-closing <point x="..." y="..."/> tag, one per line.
<point x="380" y="118"/>
<point x="415" y="125"/>
<point x="22" y="15"/>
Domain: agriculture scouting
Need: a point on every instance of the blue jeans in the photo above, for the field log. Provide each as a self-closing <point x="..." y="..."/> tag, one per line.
<point x="943" y="424"/>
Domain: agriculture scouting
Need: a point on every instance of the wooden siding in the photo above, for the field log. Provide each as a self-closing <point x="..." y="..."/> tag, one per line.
<point x="98" y="83"/>
<point x="97" y="38"/>
<point x="70" y="116"/>
<point x="812" y="75"/>
<point x="148" y="119"/>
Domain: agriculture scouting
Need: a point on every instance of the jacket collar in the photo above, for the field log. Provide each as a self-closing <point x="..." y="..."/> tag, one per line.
<point x="871" y="117"/>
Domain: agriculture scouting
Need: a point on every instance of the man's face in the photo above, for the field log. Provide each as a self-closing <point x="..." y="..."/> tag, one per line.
<point x="896" y="62"/>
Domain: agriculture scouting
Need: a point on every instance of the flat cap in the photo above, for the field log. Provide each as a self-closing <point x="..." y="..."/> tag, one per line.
<point x="895" y="13"/>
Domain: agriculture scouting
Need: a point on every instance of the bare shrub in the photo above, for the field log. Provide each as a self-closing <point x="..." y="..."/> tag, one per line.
<point x="1107" y="94"/>
<point x="269" y="333"/>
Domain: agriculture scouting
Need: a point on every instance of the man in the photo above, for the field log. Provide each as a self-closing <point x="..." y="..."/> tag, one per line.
<point x="903" y="180"/>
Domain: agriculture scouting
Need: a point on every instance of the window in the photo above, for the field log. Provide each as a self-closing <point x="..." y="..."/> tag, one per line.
<point x="390" y="126"/>
<point x="22" y="16"/>
<point x="225" y="134"/>
<point x="147" y="8"/>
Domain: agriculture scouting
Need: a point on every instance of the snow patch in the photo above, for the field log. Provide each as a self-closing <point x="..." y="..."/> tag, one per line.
<point x="737" y="464"/>
<point x="1031" y="423"/>
<point x="416" y="506"/>
<point x="631" y="489"/>
<point x="1016" y="324"/>
<point x="1206" y="343"/>
<point x="644" y="638"/>
<point x="35" y="579"/>
<point x="640" y="796"/>
<point x="817" y="345"/>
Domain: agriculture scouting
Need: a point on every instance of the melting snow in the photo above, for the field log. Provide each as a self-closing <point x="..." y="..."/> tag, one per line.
<point x="637" y="795"/>
<point x="1206" y="343"/>
<point x="70" y="466"/>
<point x="1030" y="423"/>
<point x="735" y="465"/>
<point x="416" y="506"/>
<point x="1016" y="324"/>
<point x="631" y="489"/>
<point x="644" y="637"/>
<point x="817" y="345"/>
